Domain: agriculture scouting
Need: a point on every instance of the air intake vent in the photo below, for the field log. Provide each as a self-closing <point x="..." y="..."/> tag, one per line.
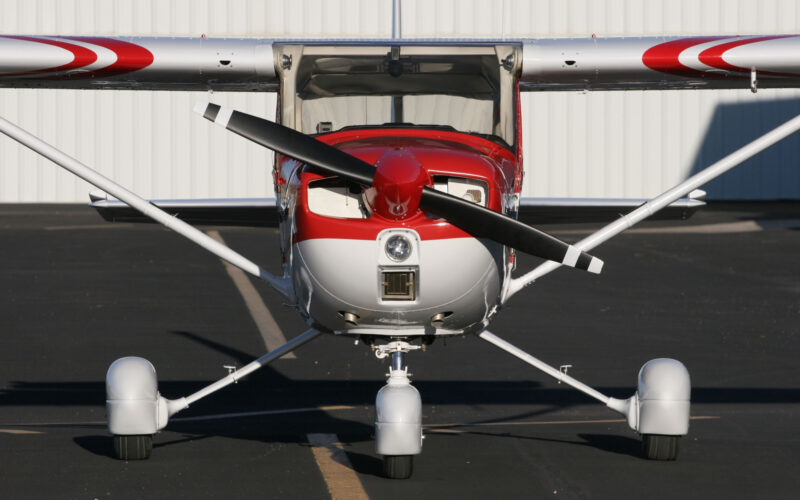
<point x="398" y="285"/>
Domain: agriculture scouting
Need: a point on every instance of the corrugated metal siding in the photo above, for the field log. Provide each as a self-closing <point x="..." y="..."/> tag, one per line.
<point x="587" y="145"/>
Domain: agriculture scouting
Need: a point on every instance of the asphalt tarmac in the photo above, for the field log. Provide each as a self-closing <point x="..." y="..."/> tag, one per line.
<point x="719" y="292"/>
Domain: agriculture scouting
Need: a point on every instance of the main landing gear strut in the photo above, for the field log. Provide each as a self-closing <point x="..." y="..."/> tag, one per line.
<point x="658" y="411"/>
<point x="135" y="410"/>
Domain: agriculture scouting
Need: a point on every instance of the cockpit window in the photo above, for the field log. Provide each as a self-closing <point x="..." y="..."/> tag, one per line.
<point x="461" y="113"/>
<point x="468" y="88"/>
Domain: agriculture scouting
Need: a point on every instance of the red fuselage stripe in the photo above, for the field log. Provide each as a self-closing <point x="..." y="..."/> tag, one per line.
<point x="441" y="152"/>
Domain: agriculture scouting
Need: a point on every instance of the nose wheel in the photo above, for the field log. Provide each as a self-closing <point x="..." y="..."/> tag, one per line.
<point x="398" y="414"/>
<point x="398" y="466"/>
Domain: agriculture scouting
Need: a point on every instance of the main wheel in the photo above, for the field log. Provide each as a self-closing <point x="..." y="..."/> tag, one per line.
<point x="133" y="447"/>
<point x="658" y="447"/>
<point x="398" y="466"/>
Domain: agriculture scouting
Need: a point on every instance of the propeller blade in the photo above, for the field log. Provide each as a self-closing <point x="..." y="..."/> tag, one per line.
<point x="474" y="219"/>
<point x="485" y="223"/>
<point x="289" y="142"/>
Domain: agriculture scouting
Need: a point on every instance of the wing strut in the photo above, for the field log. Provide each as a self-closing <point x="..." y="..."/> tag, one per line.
<point x="282" y="285"/>
<point x="711" y="172"/>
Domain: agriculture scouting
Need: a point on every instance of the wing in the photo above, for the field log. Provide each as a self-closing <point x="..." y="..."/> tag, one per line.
<point x="161" y="63"/>
<point x="249" y="212"/>
<point x="537" y="211"/>
<point x="707" y="62"/>
<point x="137" y="63"/>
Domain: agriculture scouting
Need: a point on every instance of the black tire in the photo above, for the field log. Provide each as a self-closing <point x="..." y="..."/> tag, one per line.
<point x="398" y="466"/>
<point x="658" y="447"/>
<point x="133" y="447"/>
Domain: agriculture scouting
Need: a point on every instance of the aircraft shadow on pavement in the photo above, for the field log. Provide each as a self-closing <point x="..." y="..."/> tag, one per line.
<point x="269" y="389"/>
<point x="263" y="391"/>
<point x="614" y="443"/>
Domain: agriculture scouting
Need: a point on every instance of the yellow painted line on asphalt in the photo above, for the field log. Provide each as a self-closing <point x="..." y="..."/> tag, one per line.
<point x="18" y="431"/>
<point x="342" y="481"/>
<point x="270" y="332"/>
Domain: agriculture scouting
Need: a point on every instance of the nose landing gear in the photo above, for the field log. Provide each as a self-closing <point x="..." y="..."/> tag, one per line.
<point x="398" y="414"/>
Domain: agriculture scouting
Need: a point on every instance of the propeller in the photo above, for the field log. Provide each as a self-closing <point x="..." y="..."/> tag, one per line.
<point x="474" y="219"/>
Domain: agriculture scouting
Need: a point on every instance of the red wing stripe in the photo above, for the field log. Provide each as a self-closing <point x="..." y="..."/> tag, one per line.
<point x="81" y="56"/>
<point x="130" y="57"/>
<point x="664" y="57"/>
<point x="714" y="56"/>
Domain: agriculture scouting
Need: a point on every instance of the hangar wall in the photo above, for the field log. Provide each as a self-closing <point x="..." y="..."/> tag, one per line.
<point x="601" y="144"/>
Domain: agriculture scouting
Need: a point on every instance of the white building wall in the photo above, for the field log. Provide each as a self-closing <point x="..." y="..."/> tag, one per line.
<point x="603" y="144"/>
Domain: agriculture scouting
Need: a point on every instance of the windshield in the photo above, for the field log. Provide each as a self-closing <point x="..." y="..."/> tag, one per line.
<point x="468" y="88"/>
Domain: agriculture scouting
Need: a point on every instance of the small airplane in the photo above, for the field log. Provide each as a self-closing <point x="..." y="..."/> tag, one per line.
<point x="398" y="179"/>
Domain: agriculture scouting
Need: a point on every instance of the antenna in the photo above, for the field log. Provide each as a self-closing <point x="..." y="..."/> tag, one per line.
<point x="397" y="101"/>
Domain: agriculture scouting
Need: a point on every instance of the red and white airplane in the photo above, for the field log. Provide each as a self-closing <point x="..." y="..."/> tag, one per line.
<point x="397" y="188"/>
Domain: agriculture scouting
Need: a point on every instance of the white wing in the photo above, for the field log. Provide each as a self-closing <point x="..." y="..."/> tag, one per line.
<point x="709" y="62"/>
<point x="139" y="63"/>
<point x="150" y="63"/>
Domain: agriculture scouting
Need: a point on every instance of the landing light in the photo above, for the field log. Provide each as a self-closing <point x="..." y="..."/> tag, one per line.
<point x="398" y="248"/>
